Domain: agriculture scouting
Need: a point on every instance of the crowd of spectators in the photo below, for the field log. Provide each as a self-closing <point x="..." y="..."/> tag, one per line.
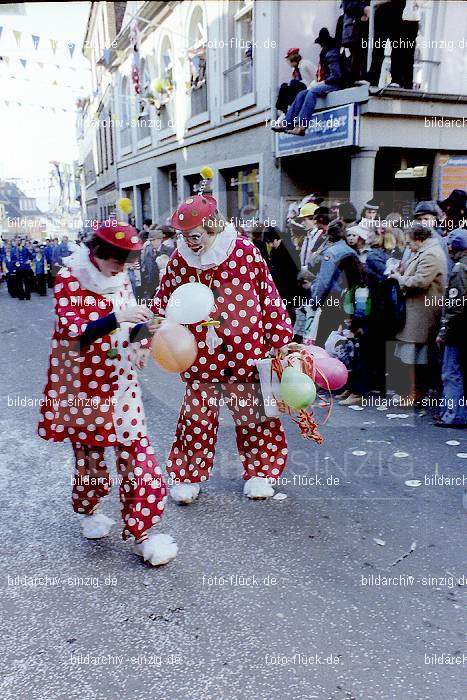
<point x="385" y="294"/>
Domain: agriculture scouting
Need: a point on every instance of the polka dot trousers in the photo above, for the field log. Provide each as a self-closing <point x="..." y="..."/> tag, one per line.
<point x="261" y="441"/>
<point x="142" y="490"/>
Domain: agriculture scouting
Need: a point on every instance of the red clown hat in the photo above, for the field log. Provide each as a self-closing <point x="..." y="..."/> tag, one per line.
<point x="193" y="211"/>
<point x="121" y="236"/>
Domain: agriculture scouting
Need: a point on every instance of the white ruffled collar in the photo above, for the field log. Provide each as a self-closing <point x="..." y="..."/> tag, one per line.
<point x="217" y="253"/>
<point x="89" y="276"/>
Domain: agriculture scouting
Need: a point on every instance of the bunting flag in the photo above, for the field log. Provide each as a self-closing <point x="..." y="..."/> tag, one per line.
<point x="87" y="52"/>
<point x="106" y="55"/>
<point x="36" y="40"/>
<point x="120" y="55"/>
<point x="23" y="62"/>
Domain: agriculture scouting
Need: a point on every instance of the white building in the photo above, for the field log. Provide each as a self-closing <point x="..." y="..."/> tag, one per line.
<point x="208" y="75"/>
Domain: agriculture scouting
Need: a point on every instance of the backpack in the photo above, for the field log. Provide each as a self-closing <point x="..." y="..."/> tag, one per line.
<point x="353" y="305"/>
<point x="393" y="311"/>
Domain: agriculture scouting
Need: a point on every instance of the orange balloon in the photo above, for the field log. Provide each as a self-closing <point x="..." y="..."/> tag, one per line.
<point x="174" y="347"/>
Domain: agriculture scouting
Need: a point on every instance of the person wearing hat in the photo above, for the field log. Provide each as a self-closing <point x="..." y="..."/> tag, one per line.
<point x="302" y="75"/>
<point x="451" y="336"/>
<point x="315" y="221"/>
<point x="249" y="320"/>
<point x="300" y="112"/>
<point x="92" y="396"/>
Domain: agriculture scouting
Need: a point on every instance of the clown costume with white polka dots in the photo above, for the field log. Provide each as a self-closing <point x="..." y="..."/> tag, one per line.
<point x="252" y="320"/>
<point x="92" y="396"/>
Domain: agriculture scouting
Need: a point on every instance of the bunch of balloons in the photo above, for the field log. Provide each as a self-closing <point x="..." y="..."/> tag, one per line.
<point x="298" y="390"/>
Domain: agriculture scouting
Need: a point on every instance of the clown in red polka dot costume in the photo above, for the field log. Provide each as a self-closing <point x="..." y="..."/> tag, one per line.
<point x="92" y="396"/>
<point x="250" y="320"/>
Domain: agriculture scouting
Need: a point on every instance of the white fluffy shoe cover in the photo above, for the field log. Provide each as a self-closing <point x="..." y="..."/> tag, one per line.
<point x="185" y="493"/>
<point x="96" y="526"/>
<point x="258" y="487"/>
<point x="157" y="549"/>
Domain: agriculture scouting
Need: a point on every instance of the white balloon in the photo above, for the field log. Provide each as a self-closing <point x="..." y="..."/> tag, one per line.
<point x="190" y="303"/>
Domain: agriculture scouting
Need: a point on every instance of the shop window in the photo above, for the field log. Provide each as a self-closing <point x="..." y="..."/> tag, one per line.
<point x="145" y="202"/>
<point x="242" y="193"/>
<point x="238" y="77"/>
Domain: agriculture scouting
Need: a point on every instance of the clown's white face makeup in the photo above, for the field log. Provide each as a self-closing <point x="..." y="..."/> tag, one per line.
<point x="198" y="240"/>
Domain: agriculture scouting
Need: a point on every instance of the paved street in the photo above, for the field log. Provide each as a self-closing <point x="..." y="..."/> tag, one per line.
<point x="276" y="599"/>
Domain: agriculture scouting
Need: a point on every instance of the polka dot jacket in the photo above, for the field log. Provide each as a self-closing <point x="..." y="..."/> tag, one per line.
<point x="252" y="315"/>
<point x="92" y="395"/>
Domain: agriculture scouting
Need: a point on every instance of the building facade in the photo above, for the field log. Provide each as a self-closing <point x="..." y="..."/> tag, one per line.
<point x="180" y="85"/>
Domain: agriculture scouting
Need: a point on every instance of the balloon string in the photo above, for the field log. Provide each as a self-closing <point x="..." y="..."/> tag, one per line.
<point x="311" y="369"/>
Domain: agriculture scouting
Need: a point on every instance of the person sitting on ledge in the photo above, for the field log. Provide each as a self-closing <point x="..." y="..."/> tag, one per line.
<point x="300" y="112"/>
<point x="302" y="76"/>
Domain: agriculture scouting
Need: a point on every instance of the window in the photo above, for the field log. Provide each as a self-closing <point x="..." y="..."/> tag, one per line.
<point x="111" y="139"/>
<point x="197" y="63"/>
<point x="99" y="147"/>
<point x="144" y="130"/>
<point x="238" y="77"/>
<point x="125" y="118"/>
<point x="167" y="83"/>
<point x="104" y="143"/>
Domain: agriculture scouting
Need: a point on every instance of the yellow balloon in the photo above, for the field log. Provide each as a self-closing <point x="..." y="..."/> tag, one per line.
<point x="125" y="205"/>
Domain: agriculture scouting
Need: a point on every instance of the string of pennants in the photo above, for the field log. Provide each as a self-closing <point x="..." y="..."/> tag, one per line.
<point x="15" y="103"/>
<point x="35" y="38"/>
<point x="53" y="83"/>
<point x="42" y="64"/>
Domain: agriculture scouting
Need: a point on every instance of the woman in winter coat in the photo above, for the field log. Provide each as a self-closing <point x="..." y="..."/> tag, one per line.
<point x="424" y="283"/>
<point x="92" y="396"/>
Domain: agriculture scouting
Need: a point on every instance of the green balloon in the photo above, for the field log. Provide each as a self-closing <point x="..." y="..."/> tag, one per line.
<point x="297" y="389"/>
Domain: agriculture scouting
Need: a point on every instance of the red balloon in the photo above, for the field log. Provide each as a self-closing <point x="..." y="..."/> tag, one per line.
<point x="174" y="347"/>
<point x="334" y="370"/>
